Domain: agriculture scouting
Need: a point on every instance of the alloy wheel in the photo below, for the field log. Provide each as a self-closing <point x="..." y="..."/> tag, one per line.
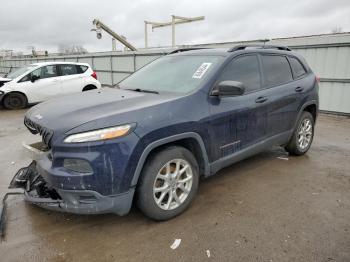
<point x="305" y="134"/>
<point x="173" y="184"/>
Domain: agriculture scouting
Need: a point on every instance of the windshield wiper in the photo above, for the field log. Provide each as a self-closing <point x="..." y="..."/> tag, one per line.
<point x="143" y="90"/>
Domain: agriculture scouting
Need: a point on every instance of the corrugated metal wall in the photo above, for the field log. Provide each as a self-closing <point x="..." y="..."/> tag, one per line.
<point x="328" y="56"/>
<point x="332" y="64"/>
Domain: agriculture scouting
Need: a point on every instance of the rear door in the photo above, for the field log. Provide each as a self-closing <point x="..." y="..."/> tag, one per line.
<point x="282" y="91"/>
<point x="240" y="121"/>
<point x="72" y="78"/>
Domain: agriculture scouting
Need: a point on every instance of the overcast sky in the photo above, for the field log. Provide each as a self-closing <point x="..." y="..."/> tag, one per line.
<point x="46" y="24"/>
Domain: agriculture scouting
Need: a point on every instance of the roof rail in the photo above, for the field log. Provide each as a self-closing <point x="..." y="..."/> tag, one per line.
<point x="179" y="50"/>
<point x="242" y="47"/>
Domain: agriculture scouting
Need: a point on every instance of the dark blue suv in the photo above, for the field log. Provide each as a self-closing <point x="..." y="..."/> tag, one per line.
<point x="184" y="116"/>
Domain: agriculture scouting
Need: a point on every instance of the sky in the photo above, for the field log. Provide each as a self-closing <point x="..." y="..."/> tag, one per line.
<point x="47" y="24"/>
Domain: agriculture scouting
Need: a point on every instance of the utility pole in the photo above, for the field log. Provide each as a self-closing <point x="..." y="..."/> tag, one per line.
<point x="174" y="21"/>
<point x="173" y="30"/>
<point x="146" y="37"/>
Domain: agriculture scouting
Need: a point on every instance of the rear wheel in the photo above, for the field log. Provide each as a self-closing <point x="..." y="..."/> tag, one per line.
<point x="168" y="183"/>
<point x="303" y="135"/>
<point x="15" y="101"/>
<point x="89" y="87"/>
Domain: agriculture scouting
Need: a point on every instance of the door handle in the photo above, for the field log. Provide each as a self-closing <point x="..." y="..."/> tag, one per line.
<point x="299" y="89"/>
<point x="261" y="99"/>
<point x="55" y="80"/>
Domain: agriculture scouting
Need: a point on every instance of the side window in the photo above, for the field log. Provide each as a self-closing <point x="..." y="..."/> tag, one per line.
<point x="36" y="72"/>
<point x="297" y="67"/>
<point x="25" y="78"/>
<point x="68" y="70"/>
<point x="276" y="70"/>
<point x="47" y="71"/>
<point x="243" y="69"/>
<point x="81" y="68"/>
<point x="42" y="72"/>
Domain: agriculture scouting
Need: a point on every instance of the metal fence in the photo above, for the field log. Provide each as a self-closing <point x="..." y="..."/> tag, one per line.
<point x="328" y="56"/>
<point x="111" y="67"/>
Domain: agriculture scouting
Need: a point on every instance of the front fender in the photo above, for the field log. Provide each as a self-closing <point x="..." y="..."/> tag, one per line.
<point x="167" y="140"/>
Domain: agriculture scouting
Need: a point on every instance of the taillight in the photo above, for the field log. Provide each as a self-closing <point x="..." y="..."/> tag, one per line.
<point x="94" y="75"/>
<point x="318" y="79"/>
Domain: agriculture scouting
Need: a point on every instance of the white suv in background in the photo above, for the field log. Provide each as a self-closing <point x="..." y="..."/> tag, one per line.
<point x="41" y="81"/>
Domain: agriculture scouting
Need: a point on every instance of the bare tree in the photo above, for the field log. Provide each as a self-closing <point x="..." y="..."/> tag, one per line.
<point x="71" y="49"/>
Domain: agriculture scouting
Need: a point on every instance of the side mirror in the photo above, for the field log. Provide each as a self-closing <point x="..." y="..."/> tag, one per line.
<point x="228" y="88"/>
<point x="33" y="78"/>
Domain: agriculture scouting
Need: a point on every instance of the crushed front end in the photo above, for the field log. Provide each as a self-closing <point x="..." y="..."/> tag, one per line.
<point x="36" y="189"/>
<point x="39" y="192"/>
<point x="85" y="178"/>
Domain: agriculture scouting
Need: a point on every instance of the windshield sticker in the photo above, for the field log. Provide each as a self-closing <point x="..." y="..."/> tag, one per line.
<point x="201" y="70"/>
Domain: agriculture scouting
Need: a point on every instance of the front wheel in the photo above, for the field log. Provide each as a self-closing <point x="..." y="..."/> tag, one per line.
<point x="168" y="183"/>
<point x="303" y="135"/>
<point x="15" y="101"/>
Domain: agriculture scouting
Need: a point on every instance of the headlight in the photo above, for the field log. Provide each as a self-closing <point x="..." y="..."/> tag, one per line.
<point x="101" y="134"/>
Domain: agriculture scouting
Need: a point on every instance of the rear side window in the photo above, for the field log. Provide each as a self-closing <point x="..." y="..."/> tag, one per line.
<point x="244" y="69"/>
<point x="276" y="70"/>
<point x="82" y="68"/>
<point x="297" y="67"/>
<point x="68" y="70"/>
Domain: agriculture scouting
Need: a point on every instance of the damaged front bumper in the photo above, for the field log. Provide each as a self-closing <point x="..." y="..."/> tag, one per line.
<point x="39" y="191"/>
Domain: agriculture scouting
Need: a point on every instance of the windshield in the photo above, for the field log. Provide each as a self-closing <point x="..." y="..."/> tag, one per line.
<point x="180" y="74"/>
<point x="19" y="71"/>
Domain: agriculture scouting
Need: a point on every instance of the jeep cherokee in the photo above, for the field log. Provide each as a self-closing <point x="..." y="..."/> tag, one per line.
<point x="184" y="116"/>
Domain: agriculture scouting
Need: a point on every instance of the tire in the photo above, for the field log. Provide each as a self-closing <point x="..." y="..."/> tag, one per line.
<point x="303" y="135"/>
<point x="89" y="87"/>
<point x="15" y="101"/>
<point x="159" y="172"/>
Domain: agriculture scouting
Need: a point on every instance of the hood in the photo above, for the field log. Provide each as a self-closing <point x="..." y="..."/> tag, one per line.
<point x="4" y="80"/>
<point x="68" y="112"/>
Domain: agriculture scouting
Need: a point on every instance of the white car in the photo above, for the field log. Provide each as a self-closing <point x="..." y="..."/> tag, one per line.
<point x="41" y="81"/>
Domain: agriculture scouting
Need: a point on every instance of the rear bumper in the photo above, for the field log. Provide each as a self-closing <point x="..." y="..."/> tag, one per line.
<point x="39" y="192"/>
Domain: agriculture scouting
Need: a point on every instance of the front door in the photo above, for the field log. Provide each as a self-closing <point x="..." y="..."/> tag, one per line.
<point x="47" y="86"/>
<point x="240" y="121"/>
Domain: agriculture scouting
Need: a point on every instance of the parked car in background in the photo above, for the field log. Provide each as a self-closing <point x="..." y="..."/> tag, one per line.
<point x="184" y="116"/>
<point x="41" y="81"/>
